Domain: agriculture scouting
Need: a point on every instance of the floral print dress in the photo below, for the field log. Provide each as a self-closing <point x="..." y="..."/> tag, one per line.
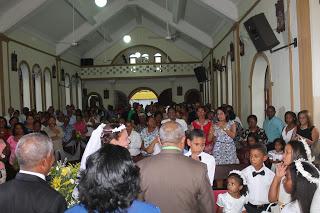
<point x="224" y="150"/>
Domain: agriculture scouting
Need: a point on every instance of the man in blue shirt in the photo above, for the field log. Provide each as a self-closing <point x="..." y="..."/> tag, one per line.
<point x="272" y="126"/>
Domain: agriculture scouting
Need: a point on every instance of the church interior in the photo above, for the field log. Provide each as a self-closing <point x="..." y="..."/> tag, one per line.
<point x="97" y="71"/>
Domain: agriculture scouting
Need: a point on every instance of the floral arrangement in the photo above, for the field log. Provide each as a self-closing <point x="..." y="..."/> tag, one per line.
<point x="64" y="180"/>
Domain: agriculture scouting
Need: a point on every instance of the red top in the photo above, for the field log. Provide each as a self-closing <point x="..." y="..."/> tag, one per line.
<point x="205" y="128"/>
<point x="80" y="127"/>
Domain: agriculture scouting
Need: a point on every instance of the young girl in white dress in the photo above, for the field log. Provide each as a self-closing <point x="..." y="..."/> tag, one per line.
<point x="276" y="155"/>
<point x="301" y="182"/>
<point x="233" y="201"/>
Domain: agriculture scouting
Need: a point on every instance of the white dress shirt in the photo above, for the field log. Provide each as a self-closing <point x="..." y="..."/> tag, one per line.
<point x="135" y="143"/>
<point x="33" y="173"/>
<point x="259" y="185"/>
<point x="209" y="161"/>
<point x="179" y="121"/>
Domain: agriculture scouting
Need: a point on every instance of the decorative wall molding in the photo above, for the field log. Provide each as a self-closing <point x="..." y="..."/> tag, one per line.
<point x="143" y="70"/>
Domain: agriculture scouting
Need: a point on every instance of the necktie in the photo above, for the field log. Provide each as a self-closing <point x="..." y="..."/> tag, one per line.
<point x="258" y="173"/>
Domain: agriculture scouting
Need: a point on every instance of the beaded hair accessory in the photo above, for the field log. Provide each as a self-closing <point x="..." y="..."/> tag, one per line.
<point x="240" y="174"/>
<point x="307" y="148"/>
<point x="304" y="173"/>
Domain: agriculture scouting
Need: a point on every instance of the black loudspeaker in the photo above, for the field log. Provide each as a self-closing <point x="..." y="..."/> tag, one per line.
<point x="86" y="62"/>
<point x="106" y="94"/>
<point x="14" y="61"/>
<point x="200" y="73"/>
<point x="261" y="32"/>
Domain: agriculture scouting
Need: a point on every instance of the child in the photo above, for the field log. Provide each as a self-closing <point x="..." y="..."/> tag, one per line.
<point x="196" y="140"/>
<point x="244" y="153"/>
<point x="276" y="155"/>
<point x="300" y="182"/>
<point x="293" y="150"/>
<point x="259" y="179"/>
<point x="233" y="201"/>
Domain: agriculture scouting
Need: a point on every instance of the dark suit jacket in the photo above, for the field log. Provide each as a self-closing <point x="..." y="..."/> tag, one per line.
<point x="30" y="194"/>
<point x="176" y="183"/>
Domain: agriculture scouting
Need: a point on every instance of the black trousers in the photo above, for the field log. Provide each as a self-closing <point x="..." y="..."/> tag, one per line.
<point x="254" y="209"/>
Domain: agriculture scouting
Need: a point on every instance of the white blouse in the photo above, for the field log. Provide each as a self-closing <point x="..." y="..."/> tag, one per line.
<point x="286" y="136"/>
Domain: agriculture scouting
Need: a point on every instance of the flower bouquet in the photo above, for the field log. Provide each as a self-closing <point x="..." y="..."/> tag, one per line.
<point x="64" y="180"/>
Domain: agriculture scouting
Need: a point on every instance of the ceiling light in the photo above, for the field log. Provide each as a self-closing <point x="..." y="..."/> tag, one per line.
<point x="127" y="38"/>
<point x="100" y="3"/>
<point x="138" y="55"/>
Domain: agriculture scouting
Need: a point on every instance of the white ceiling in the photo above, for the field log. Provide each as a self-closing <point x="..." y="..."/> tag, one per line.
<point x="6" y="4"/>
<point x="195" y="21"/>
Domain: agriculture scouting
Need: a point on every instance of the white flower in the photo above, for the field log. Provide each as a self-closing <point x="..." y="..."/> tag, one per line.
<point x="57" y="168"/>
<point x="307" y="148"/>
<point x="304" y="173"/>
<point x="71" y="181"/>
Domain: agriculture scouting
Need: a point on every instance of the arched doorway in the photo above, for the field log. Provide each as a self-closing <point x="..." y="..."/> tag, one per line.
<point x="120" y="99"/>
<point x="94" y="99"/>
<point x="192" y="96"/>
<point x="143" y="95"/>
<point x="261" y="86"/>
<point x="165" y="97"/>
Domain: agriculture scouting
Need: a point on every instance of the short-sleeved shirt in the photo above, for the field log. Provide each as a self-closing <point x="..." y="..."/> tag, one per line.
<point x="148" y="137"/>
<point x="231" y="204"/>
<point x="259" y="185"/>
<point x="273" y="128"/>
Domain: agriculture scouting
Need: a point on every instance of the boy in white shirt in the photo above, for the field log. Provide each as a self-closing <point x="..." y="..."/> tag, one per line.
<point x="196" y="140"/>
<point x="259" y="179"/>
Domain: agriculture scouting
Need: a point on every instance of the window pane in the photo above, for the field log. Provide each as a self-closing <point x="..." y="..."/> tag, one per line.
<point x="47" y="85"/>
<point x="26" y="86"/>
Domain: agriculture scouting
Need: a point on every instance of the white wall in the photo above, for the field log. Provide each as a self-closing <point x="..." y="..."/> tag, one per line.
<point x="140" y="36"/>
<point x="279" y="61"/>
<point x="127" y="86"/>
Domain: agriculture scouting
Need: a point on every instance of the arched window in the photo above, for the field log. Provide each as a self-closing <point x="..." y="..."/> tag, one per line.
<point x="79" y="88"/>
<point x="67" y="89"/>
<point x="157" y="58"/>
<point x="47" y="88"/>
<point x="133" y="59"/>
<point x="25" y="85"/>
<point x="145" y="58"/>
<point x="37" y="87"/>
<point x="74" y="90"/>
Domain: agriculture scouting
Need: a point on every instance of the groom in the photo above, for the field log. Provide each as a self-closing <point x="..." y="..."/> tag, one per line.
<point x="29" y="192"/>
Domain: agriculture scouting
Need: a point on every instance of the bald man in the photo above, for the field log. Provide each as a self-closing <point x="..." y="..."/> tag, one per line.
<point x="29" y="192"/>
<point x="172" y="181"/>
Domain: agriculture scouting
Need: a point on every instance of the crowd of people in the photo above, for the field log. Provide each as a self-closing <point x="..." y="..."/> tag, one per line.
<point x="165" y="156"/>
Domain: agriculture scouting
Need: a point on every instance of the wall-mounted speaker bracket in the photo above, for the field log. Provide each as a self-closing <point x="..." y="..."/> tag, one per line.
<point x="294" y="43"/>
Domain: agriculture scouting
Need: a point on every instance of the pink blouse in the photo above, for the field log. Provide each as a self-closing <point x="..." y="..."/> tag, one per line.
<point x="13" y="144"/>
